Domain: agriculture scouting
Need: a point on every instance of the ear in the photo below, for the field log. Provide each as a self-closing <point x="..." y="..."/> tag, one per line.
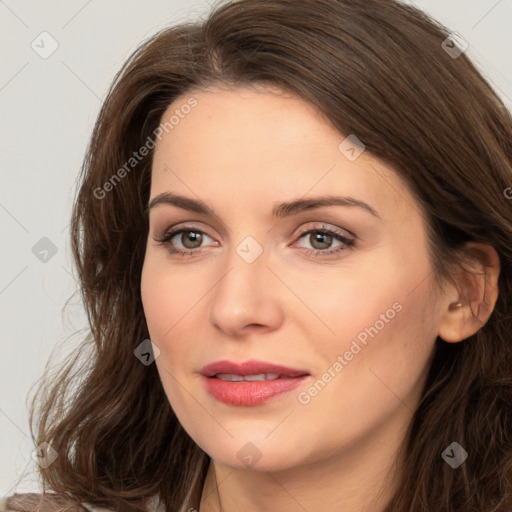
<point x="471" y="300"/>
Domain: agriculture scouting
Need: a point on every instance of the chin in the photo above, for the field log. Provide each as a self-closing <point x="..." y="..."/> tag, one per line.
<point x="255" y="453"/>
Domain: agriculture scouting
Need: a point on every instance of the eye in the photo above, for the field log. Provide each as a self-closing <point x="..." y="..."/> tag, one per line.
<point x="189" y="237"/>
<point x="322" y="239"/>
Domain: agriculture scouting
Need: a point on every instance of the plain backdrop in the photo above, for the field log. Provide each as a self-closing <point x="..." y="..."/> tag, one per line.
<point x="48" y="107"/>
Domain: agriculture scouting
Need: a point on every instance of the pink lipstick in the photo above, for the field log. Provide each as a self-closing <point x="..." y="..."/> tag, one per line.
<point x="250" y="383"/>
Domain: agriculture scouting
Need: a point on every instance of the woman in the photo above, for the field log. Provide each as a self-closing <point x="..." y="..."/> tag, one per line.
<point x="294" y="240"/>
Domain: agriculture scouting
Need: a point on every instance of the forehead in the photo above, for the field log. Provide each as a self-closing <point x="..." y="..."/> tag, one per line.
<point x="236" y="142"/>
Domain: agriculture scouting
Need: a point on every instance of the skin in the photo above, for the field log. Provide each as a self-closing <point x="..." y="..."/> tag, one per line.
<point x="242" y="151"/>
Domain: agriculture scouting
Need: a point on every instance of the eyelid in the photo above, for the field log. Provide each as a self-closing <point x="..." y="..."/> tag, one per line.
<point x="168" y="227"/>
<point x="324" y="227"/>
<point x="303" y="230"/>
<point x="346" y="243"/>
<point x="169" y="233"/>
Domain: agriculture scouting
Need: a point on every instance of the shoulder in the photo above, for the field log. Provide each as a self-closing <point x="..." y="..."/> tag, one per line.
<point x="47" y="502"/>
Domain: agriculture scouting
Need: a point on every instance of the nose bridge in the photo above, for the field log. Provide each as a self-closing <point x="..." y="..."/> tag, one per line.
<point x="244" y="296"/>
<point x="247" y="266"/>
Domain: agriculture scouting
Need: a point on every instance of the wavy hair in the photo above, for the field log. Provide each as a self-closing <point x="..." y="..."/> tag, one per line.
<point x="374" y="68"/>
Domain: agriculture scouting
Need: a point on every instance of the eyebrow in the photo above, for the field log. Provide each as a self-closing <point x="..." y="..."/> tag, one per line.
<point x="279" y="211"/>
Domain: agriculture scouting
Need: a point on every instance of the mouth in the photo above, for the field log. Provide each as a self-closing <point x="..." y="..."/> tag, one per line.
<point x="250" y="383"/>
<point x="261" y="370"/>
<point x="233" y="377"/>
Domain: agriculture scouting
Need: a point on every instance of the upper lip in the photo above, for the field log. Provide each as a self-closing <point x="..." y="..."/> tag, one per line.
<point x="251" y="367"/>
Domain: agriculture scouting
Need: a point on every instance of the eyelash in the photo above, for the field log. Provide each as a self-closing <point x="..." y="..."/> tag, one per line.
<point x="349" y="243"/>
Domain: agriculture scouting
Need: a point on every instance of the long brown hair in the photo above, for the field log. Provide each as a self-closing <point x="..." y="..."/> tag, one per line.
<point x="375" y="68"/>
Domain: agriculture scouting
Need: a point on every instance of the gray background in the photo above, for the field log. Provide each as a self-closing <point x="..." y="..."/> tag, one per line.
<point x="48" y="107"/>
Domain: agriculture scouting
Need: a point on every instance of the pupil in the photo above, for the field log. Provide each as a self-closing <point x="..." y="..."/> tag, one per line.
<point x="193" y="237"/>
<point x="323" y="238"/>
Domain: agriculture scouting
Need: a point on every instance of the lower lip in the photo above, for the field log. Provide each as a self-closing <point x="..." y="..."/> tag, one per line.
<point x="247" y="393"/>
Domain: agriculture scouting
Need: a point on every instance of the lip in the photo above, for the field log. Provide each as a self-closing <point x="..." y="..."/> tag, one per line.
<point x="250" y="393"/>
<point x="251" y="367"/>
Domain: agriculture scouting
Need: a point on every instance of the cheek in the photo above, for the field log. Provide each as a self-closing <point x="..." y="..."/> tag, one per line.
<point x="375" y="381"/>
<point x="353" y="306"/>
<point x="382" y="325"/>
<point x="163" y="302"/>
<point x="155" y="300"/>
<point x="166" y="295"/>
<point x="172" y="304"/>
<point x="388" y="353"/>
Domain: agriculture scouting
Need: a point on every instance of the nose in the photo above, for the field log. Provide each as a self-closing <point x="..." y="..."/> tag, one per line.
<point x="246" y="299"/>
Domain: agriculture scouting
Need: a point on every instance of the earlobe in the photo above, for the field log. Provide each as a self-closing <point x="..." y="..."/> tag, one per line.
<point x="451" y="327"/>
<point x="477" y="293"/>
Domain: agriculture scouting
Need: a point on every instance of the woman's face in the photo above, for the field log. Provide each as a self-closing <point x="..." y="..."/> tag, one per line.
<point x="357" y="316"/>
